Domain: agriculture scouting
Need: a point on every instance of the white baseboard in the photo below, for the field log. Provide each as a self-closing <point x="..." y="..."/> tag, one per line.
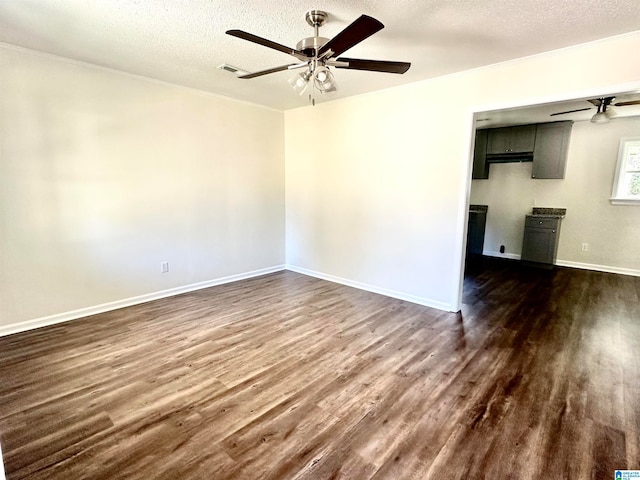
<point x="127" y="302"/>
<point x="510" y="256"/>
<point x="580" y="265"/>
<point x="105" y="307"/>
<point x="427" y="302"/>
<point x="599" y="268"/>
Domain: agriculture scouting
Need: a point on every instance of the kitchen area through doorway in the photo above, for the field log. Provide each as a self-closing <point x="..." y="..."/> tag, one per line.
<point x="542" y="183"/>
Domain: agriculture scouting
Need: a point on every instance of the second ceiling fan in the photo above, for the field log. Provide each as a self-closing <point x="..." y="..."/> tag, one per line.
<point x="317" y="54"/>
<point x="602" y="115"/>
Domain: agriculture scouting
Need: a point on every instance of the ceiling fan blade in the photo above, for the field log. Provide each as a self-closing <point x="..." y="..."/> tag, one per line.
<point x="570" y="111"/>
<point x="373" y="65"/>
<point x="267" y="72"/>
<point x="624" y="104"/>
<point x="363" y="27"/>
<point x="266" y="43"/>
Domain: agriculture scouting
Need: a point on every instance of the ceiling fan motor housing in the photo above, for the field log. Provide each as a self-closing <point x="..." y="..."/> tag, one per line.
<point x="310" y="45"/>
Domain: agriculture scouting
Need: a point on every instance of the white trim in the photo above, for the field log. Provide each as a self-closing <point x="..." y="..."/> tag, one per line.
<point x="427" y="302"/>
<point x="621" y="201"/>
<point x="616" y="198"/>
<point x="463" y="217"/>
<point x="599" y="268"/>
<point x="570" y="264"/>
<point x="2" y="477"/>
<point x="510" y="256"/>
<point x="127" y="302"/>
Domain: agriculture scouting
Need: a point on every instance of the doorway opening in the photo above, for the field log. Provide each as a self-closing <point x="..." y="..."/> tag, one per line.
<point x="504" y="190"/>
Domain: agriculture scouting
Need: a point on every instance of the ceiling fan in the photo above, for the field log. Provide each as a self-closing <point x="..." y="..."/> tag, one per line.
<point x="602" y="115"/>
<point x="317" y="54"/>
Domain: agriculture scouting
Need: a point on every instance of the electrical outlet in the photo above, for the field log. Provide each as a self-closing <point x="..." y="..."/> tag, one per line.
<point x="585" y="247"/>
<point x="164" y="267"/>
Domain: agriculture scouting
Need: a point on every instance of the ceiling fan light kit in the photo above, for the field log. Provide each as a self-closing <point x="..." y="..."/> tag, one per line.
<point x="603" y="115"/>
<point x="316" y="54"/>
<point x="600" y="117"/>
<point x="324" y="80"/>
<point x="299" y="82"/>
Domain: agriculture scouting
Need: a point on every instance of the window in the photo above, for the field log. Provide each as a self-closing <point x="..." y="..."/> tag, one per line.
<point x="626" y="183"/>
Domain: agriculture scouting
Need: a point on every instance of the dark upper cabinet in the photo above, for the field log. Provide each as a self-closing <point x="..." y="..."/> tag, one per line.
<point x="480" y="165"/>
<point x="550" y="153"/>
<point x="511" y="140"/>
<point x="546" y="144"/>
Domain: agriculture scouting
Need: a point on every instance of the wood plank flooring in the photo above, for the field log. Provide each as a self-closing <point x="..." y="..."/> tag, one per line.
<point x="291" y="377"/>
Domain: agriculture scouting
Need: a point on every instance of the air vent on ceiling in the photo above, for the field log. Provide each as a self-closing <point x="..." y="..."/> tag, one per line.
<point x="230" y="68"/>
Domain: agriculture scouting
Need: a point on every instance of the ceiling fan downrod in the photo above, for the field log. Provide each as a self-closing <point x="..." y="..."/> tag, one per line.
<point x="311" y="45"/>
<point x="317" y="75"/>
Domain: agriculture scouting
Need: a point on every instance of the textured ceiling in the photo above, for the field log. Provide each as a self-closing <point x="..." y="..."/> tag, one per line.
<point x="183" y="41"/>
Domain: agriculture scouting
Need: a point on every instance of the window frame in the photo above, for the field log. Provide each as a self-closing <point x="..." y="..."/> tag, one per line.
<point x="616" y="198"/>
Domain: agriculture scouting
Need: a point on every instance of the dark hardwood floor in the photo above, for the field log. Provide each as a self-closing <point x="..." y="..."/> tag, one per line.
<point x="286" y="376"/>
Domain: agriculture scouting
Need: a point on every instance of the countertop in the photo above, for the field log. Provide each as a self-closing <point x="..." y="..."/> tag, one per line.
<point x="478" y="208"/>
<point x="542" y="215"/>
<point x="547" y="212"/>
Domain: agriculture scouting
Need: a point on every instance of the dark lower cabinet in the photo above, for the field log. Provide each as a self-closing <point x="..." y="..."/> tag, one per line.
<point x="540" y="242"/>
<point x="475" y="232"/>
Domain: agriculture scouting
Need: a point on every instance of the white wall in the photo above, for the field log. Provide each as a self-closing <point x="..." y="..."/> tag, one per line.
<point x="612" y="231"/>
<point x="384" y="203"/>
<point x="105" y="175"/>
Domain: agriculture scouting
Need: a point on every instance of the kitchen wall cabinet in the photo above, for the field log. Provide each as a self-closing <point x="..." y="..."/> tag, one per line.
<point x="540" y="242"/>
<point x="480" y="165"/>
<point x="550" y="152"/>
<point x="511" y="139"/>
<point x="544" y="144"/>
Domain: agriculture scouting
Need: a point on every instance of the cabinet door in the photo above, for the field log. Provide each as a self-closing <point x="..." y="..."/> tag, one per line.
<point x="498" y="141"/>
<point x="480" y="165"/>
<point x="523" y="139"/>
<point x="539" y="245"/>
<point x="475" y="233"/>
<point x="550" y="153"/>
<point x="511" y="139"/>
